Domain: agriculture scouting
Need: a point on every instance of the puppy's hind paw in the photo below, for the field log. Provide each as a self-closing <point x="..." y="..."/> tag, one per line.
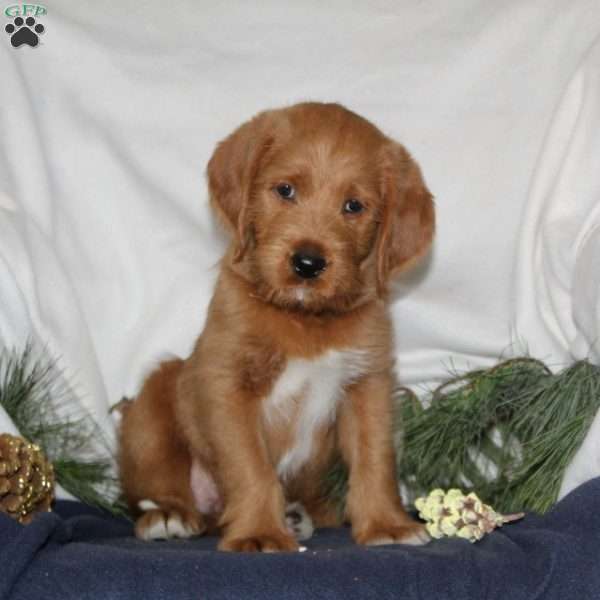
<point x="298" y="521"/>
<point x="159" y="524"/>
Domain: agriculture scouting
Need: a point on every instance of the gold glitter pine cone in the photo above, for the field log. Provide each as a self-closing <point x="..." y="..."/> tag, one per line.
<point x="26" y="479"/>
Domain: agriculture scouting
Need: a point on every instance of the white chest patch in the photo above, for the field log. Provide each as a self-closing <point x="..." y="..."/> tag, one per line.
<point x="311" y="389"/>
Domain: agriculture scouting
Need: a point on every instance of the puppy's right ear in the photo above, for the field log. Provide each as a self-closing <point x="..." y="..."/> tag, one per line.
<point x="231" y="172"/>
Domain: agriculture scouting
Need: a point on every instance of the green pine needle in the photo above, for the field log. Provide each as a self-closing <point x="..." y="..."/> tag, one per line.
<point x="508" y="433"/>
<point x="35" y="397"/>
<point x="517" y="419"/>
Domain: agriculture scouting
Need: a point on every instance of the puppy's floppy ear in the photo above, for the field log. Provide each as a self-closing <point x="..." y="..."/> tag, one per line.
<point x="408" y="218"/>
<point x="231" y="171"/>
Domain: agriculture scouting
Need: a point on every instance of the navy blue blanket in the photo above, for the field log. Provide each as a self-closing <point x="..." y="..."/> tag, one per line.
<point x="78" y="553"/>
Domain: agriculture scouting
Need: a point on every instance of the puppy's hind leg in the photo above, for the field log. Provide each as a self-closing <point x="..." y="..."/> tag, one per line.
<point x="154" y="462"/>
<point x="167" y="519"/>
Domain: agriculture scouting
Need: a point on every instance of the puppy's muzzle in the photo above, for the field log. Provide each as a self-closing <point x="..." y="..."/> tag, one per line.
<point x="307" y="264"/>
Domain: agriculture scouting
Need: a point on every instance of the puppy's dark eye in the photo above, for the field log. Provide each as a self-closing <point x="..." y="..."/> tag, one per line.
<point x="353" y="206"/>
<point x="286" y="191"/>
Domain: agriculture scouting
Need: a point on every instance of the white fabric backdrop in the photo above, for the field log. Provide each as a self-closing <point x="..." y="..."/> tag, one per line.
<point x="107" y="248"/>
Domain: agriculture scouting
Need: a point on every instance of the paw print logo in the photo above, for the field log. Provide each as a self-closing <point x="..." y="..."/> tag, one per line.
<point x="24" y="32"/>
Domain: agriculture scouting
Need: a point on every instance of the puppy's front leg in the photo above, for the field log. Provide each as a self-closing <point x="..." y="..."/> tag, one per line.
<point x="253" y="519"/>
<point x="373" y="503"/>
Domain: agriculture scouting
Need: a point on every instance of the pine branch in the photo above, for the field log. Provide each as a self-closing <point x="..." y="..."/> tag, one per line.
<point x="508" y="433"/>
<point x="540" y="419"/>
<point x="35" y="395"/>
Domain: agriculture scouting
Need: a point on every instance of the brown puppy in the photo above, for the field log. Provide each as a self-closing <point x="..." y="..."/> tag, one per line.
<point x="293" y="367"/>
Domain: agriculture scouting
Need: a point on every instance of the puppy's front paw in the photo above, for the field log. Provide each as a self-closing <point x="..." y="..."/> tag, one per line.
<point x="411" y="534"/>
<point x="270" y="542"/>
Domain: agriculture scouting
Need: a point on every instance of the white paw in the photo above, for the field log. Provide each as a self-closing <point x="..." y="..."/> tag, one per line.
<point x="158" y="524"/>
<point x="413" y="536"/>
<point x="420" y="538"/>
<point x="155" y="530"/>
<point x="298" y="521"/>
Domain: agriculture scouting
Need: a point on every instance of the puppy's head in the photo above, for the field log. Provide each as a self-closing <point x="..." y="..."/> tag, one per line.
<point x="324" y="208"/>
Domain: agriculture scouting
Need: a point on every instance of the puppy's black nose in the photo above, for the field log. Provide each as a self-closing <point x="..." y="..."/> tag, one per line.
<point x="308" y="265"/>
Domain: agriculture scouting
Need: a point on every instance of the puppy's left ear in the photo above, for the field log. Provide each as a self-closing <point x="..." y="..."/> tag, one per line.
<point x="408" y="218"/>
<point x="231" y="172"/>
